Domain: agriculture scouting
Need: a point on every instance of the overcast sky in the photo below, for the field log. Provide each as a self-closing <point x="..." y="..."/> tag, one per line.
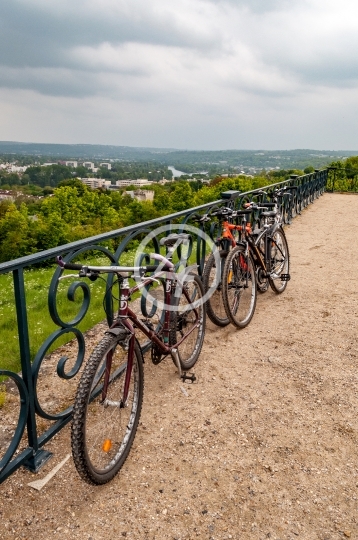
<point x="190" y="74"/>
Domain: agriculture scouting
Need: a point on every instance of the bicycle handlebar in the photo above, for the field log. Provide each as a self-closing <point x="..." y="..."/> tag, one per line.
<point x="167" y="266"/>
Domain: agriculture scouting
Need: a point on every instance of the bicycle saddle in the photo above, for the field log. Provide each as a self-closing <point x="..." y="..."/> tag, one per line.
<point x="175" y="238"/>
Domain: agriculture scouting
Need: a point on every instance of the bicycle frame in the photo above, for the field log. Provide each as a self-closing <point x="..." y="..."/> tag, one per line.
<point x="128" y="319"/>
<point x="262" y="260"/>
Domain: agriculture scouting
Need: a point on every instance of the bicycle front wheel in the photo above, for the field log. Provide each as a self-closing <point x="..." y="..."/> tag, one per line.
<point x="103" y="426"/>
<point x="187" y="321"/>
<point x="279" y="261"/>
<point x="215" y="309"/>
<point x="239" y="287"/>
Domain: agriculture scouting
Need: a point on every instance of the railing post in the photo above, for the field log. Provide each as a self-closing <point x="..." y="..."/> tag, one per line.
<point x="39" y="457"/>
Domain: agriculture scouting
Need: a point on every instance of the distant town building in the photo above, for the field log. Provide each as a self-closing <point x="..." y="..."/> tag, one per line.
<point x="106" y="166"/>
<point x="73" y="164"/>
<point x="6" y="195"/>
<point x="95" y="183"/>
<point x="139" y="182"/>
<point x="164" y="181"/>
<point x="141" y="194"/>
<point x="89" y="165"/>
<point x="10" y="167"/>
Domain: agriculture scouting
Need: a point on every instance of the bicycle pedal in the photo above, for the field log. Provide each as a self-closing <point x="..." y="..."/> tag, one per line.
<point x="285" y="277"/>
<point x="191" y="377"/>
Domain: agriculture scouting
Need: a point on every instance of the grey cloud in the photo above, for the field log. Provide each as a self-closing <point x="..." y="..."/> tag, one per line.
<point x="31" y="36"/>
<point x="222" y="72"/>
<point x="260" y="6"/>
<point x="49" y="82"/>
<point x="71" y="83"/>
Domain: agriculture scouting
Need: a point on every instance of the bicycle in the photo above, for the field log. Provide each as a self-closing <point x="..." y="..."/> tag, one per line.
<point x="268" y="244"/>
<point x="258" y="259"/>
<point x="109" y="396"/>
<point x="212" y="276"/>
<point x="239" y="290"/>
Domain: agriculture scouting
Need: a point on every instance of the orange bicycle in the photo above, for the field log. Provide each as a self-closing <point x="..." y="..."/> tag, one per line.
<point x="231" y="294"/>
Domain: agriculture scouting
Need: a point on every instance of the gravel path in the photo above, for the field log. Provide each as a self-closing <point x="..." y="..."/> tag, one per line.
<point x="264" y="446"/>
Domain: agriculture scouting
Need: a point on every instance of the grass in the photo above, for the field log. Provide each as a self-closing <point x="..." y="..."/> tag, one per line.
<point x="2" y="395"/>
<point x="40" y="324"/>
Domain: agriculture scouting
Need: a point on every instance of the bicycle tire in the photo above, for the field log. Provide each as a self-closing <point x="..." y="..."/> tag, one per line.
<point x="239" y="287"/>
<point x="279" y="261"/>
<point x="103" y="431"/>
<point x="183" y="319"/>
<point x="215" y="309"/>
<point x="262" y="282"/>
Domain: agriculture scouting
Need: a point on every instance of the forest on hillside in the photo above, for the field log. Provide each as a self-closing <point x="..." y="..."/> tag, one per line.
<point x="189" y="161"/>
<point x="43" y="216"/>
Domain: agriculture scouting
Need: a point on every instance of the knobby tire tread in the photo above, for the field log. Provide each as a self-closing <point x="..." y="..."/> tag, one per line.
<point x="277" y="285"/>
<point x="78" y="434"/>
<point x="214" y="305"/>
<point x="240" y="321"/>
<point x="190" y="349"/>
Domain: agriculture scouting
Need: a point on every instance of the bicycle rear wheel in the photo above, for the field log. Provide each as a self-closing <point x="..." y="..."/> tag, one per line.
<point x="239" y="287"/>
<point x="279" y="261"/>
<point x="103" y="427"/>
<point x="188" y="319"/>
<point x="212" y="277"/>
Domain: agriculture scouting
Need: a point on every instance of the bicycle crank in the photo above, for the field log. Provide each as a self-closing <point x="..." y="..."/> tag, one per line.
<point x="156" y="354"/>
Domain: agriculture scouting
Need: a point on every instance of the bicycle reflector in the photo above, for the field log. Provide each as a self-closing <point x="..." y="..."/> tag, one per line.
<point x="107" y="445"/>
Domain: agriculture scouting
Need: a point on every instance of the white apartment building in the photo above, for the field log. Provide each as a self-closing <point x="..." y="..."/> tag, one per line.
<point x="73" y="164"/>
<point x="138" y="183"/>
<point x="95" y="183"/>
<point x="106" y="166"/>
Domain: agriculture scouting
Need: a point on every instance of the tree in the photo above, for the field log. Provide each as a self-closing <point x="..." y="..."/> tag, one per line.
<point x="15" y="240"/>
<point x="181" y="197"/>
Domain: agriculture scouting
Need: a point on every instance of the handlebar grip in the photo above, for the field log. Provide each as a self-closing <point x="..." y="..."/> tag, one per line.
<point x="155" y="268"/>
<point x="68" y="266"/>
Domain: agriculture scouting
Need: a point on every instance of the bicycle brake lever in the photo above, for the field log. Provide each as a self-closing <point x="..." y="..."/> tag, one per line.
<point x="143" y="278"/>
<point x="68" y="276"/>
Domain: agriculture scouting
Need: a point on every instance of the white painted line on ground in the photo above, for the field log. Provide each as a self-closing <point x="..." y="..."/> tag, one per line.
<point x="184" y="391"/>
<point x="39" y="484"/>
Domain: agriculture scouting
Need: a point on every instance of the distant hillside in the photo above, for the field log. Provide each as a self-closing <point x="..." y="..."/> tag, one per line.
<point x="187" y="160"/>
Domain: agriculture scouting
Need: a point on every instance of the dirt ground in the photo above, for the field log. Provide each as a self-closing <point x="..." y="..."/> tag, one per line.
<point x="263" y="446"/>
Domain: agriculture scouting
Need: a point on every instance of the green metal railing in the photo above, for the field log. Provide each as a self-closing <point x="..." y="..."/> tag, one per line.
<point x="29" y="450"/>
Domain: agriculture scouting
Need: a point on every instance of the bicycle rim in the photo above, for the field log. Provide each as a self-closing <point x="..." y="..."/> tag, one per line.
<point x="215" y="309"/>
<point x="189" y="319"/>
<point x="279" y="261"/>
<point x="239" y="287"/>
<point x="104" y="427"/>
